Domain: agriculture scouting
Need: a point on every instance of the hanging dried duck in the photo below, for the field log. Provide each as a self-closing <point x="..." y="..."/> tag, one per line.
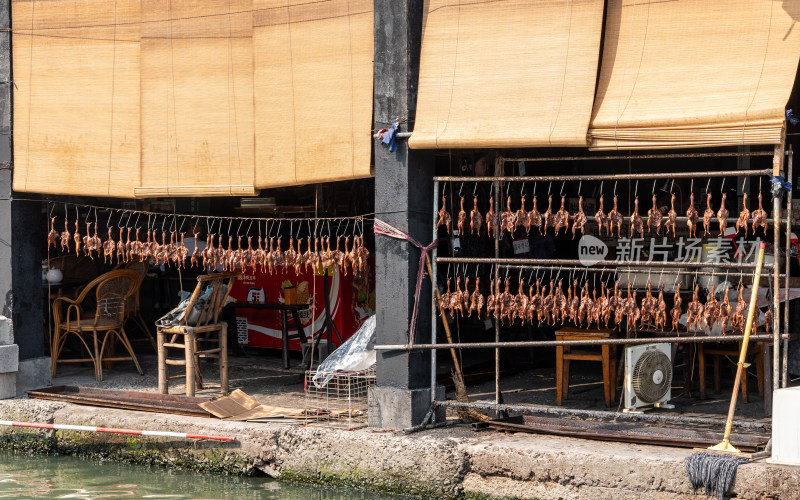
<point x="52" y="236"/>
<point x="601" y="218"/>
<point x="676" y="311"/>
<point x="694" y="311"/>
<point x="760" y="216"/>
<point x="637" y="225"/>
<point x="654" y="219"/>
<point x="615" y="219"/>
<point x="508" y="218"/>
<point x="462" y="219"/>
<point x="65" y="236"/>
<point x="722" y="216"/>
<point x="549" y="216"/>
<point x="534" y="217"/>
<point x="579" y="220"/>
<point x="672" y="217"/>
<point x="444" y="216"/>
<point x="522" y="217"/>
<point x="661" y="310"/>
<point x="744" y="216"/>
<point x="108" y="249"/>
<point x="707" y="215"/>
<point x="562" y="217"/>
<point x="491" y="220"/>
<point x="475" y="218"/>
<point x="692" y="216"/>
<point x="725" y="311"/>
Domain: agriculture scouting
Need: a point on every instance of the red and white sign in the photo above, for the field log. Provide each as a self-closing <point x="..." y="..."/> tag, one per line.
<point x="352" y="301"/>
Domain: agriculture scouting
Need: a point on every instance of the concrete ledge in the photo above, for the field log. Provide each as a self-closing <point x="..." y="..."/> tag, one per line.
<point x="6" y="331"/>
<point x="33" y="373"/>
<point x="9" y="358"/>
<point x="445" y="463"/>
<point x="398" y="408"/>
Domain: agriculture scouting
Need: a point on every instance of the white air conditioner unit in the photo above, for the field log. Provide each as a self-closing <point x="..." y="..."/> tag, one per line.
<point x="648" y="376"/>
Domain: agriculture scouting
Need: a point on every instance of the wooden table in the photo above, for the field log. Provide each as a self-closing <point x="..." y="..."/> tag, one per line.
<point x="285" y="310"/>
<point x="607" y="355"/>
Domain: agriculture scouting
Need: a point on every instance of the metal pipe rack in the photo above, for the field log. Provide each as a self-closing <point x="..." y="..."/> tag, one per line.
<point x="697" y="268"/>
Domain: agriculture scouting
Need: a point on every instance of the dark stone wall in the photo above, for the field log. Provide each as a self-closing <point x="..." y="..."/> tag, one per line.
<point x="21" y="228"/>
<point x="403" y="194"/>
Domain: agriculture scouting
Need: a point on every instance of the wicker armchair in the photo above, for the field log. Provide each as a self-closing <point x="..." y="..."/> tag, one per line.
<point x="94" y="328"/>
<point x="207" y="329"/>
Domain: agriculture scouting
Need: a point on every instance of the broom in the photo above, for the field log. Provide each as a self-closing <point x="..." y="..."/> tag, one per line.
<point x="715" y="469"/>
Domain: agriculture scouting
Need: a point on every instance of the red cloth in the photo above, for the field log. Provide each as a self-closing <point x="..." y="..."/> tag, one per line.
<point x="393" y="232"/>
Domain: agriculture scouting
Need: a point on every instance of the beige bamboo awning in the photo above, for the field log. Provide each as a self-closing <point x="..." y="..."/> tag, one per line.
<point x="694" y="73"/>
<point x="76" y="97"/>
<point x="507" y="73"/>
<point x="197" y="98"/>
<point x="153" y="98"/>
<point x="313" y="90"/>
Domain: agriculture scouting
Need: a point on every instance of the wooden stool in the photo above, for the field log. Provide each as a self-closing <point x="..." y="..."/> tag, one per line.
<point x="607" y="355"/>
<point x="718" y="349"/>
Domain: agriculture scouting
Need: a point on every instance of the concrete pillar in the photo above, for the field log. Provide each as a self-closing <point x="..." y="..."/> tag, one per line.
<point x="404" y="199"/>
<point x="21" y="237"/>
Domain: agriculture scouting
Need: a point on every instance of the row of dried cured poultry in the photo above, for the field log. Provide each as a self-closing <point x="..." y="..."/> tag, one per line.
<point x="268" y="255"/>
<point x="473" y="222"/>
<point x="581" y="308"/>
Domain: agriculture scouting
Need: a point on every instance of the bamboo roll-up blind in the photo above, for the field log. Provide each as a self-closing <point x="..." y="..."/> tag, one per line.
<point x="507" y="73"/>
<point x="695" y="73"/>
<point x="76" y="97"/>
<point x="313" y="90"/>
<point x="197" y="98"/>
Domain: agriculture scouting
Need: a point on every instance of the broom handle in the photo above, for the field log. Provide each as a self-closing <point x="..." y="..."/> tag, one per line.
<point x="456" y="364"/>
<point x="743" y="351"/>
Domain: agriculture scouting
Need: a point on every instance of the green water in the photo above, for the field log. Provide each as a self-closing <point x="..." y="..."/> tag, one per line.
<point x="39" y="476"/>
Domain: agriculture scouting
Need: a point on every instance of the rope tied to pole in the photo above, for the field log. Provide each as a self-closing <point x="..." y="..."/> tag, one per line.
<point x="381" y="227"/>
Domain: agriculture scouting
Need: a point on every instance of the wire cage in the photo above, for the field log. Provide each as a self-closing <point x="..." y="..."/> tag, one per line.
<point x="342" y="401"/>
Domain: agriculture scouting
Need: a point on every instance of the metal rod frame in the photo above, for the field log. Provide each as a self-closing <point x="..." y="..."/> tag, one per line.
<point x="777" y="154"/>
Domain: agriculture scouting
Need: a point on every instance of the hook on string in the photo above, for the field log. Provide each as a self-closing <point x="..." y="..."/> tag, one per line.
<point x="708" y="185"/>
<point x="561" y="193"/>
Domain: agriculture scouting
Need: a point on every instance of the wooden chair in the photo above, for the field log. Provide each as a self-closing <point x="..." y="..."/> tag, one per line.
<point x="206" y="330"/>
<point x="134" y="309"/>
<point x="607" y="356"/>
<point x="731" y="349"/>
<point x="111" y="292"/>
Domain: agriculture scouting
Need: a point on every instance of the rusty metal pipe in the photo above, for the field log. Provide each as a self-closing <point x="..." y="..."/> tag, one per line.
<point x="662" y="156"/>
<point x="648" y="417"/>
<point x="552" y="343"/>
<point x="605" y="177"/>
<point x="785" y="360"/>
<point x="606" y="263"/>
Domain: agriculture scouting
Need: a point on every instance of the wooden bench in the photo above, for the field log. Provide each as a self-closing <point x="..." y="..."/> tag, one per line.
<point x="607" y="356"/>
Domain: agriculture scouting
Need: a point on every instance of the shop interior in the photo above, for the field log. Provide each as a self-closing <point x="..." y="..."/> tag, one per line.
<point x="316" y="220"/>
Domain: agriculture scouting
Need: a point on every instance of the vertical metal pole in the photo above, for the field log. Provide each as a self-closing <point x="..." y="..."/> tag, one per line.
<point x="434" y="306"/>
<point x="777" y="164"/>
<point x="785" y="360"/>
<point x="498" y="232"/>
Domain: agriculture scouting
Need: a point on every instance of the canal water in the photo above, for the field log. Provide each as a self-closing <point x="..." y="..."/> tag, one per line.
<point x="38" y="476"/>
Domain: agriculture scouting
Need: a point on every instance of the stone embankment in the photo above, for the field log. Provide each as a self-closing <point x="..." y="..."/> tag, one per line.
<point x="444" y="463"/>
